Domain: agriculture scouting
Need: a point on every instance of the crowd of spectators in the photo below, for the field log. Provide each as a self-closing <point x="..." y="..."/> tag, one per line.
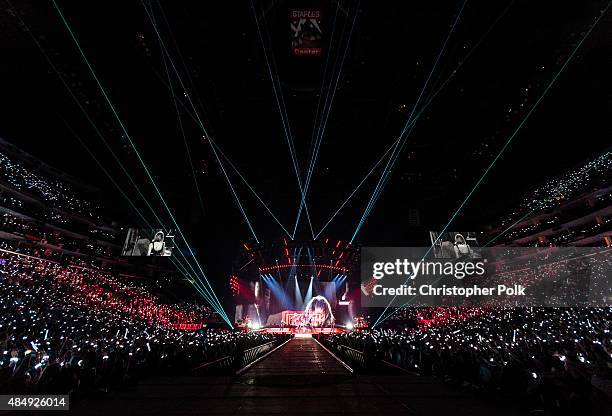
<point x="46" y="209"/>
<point x="593" y="174"/>
<point x="97" y="289"/>
<point x="72" y="329"/>
<point x="551" y="360"/>
<point x="554" y="276"/>
<point x="53" y="217"/>
<point x="38" y="232"/>
<point x="54" y="192"/>
<point x="74" y="323"/>
<point x="562" y="210"/>
<point x="547" y="359"/>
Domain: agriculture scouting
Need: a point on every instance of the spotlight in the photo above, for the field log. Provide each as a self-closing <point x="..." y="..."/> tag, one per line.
<point x="349" y="326"/>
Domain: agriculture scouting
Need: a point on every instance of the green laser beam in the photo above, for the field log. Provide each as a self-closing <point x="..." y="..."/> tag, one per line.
<point x="127" y="135"/>
<point x="236" y="199"/>
<point x="175" y="260"/>
<point x="518" y="128"/>
<point x="88" y="118"/>
<point x="429" y="101"/>
<point x="180" y="125"/>
<point x="282" y="109"/>
<point x="229" y="162"/>
<point x="329" y="99"/>
<point x="395" y="155"/>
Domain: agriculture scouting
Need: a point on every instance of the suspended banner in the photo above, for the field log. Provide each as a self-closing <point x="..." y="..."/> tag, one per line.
<point x="306" y="32"/>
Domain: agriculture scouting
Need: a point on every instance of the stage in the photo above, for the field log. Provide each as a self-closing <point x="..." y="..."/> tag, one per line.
<point x="303" y="331"/>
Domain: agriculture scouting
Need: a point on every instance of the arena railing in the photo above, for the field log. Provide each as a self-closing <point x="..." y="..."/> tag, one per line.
<point x="240" y="361"/>
<point x="352" y="355"/>
<point x="251" y="354"/>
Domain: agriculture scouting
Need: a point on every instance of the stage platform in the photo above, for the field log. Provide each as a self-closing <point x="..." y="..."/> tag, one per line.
<point x="303" y="331"/>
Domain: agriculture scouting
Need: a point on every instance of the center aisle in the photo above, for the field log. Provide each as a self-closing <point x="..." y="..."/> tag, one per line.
<point x="299" y="357"/>
<point x="302" y="378"/>
<point x="299" y="378"/>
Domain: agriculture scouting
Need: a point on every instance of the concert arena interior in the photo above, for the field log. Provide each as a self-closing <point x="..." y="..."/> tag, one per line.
<point x="305" y="207"/>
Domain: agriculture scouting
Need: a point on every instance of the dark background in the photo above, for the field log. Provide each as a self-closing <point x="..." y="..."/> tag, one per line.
<point x="392" y="48"/>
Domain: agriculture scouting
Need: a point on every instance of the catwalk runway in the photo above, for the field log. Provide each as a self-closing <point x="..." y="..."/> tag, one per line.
<point x="300" y="378"/>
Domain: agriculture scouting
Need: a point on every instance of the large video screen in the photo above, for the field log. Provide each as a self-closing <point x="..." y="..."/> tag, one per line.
<point x="144" y="242"/>
<point x="452" y="244"/>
